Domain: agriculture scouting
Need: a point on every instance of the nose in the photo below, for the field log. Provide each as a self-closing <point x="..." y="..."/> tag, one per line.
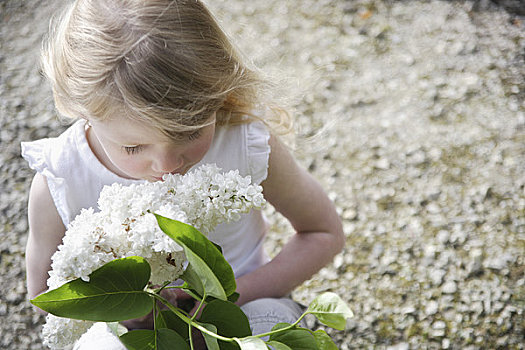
<point x="167" y="162"/>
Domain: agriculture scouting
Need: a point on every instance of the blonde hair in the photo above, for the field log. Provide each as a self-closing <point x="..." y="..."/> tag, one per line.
<point x="163" y="62"/>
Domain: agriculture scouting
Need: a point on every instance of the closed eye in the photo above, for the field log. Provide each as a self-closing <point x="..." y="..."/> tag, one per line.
<point x="194" y="135"/>
<point x="132" y="149"/>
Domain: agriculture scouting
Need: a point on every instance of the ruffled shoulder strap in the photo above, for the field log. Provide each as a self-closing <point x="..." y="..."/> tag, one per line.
<point x="242" y="147"/>
<point x="44" y="157"/>
<point x="258" y="150"/>
<point x="34" y="152"/>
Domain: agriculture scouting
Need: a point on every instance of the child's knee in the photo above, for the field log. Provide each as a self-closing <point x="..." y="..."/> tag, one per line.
<point x="263" y="314"/>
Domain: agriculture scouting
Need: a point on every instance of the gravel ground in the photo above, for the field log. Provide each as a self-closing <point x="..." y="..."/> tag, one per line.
<point x="410" y="113"/>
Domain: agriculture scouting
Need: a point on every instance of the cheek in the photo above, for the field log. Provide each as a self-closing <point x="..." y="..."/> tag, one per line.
<point x="134" y="165"/>
<point x="129" y="164"/>
<point x="199" y="148"/>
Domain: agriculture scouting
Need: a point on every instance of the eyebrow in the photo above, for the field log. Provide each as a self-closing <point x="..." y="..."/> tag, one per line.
<point x="180" y="136"/>
<point x="131" y="140"/>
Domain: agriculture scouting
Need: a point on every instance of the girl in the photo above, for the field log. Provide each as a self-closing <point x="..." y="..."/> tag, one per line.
<point x="157" y="88"/>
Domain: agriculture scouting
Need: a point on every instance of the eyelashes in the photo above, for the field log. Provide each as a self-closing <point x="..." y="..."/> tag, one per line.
<point x="194" y="135"/>
<point x="130" y="150"/>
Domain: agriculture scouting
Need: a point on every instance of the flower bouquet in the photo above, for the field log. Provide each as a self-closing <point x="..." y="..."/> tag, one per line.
<point x="115" y="262"/>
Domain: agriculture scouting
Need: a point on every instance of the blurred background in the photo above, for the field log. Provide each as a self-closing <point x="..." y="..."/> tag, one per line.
<point x="412" y="116"/>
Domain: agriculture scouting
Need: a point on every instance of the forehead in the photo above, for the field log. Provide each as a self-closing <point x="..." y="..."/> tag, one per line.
<point x="127" y="131"/>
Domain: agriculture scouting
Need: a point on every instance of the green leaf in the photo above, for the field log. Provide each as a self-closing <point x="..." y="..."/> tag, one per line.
<point x="211" y="342"/>
<point x="234" y="297"/>
<point x="191" y="292"/>
<point x="167" y="319"/>
<point x="199" y="245"/>
<point x="115" y="292"/>
<point x="324" y="342"/>
<point x="229" y="319"/>
<point x="144" y="339"/>
<point x="251" y="343"/>
<point x="116" y="328"/>
<point x="168" y="339"/>
<point x="201" y="277"/>
<point x="278" y="345"/>
<point x="330" y="310"/>
<point x="296" y="338"/>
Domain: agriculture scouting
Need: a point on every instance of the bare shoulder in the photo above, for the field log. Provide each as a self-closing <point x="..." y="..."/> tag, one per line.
<point x="286" y="178"/>
<point x="42" y="212"/>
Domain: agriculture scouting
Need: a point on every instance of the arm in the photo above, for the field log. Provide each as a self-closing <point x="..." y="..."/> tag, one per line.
<point x="45" y="234"/>
<point x="319" y="234"/>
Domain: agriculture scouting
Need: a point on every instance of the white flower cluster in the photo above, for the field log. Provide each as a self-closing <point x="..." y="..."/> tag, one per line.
<point x="125" y="226"/>
<point x="60" y="333"/>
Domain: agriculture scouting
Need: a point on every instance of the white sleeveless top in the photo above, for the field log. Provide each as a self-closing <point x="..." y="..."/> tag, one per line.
<point x="75" y="178"/>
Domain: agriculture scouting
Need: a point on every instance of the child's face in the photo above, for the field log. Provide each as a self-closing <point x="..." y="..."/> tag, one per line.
<point x="133" y="150"/>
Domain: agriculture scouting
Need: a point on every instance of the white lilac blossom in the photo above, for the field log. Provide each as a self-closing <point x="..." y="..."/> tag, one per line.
<point x="60" y="333"/>
<point x="124" y="226"/>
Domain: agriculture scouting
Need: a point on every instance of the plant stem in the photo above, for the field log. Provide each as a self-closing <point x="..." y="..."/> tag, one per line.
<point x="154" y="320"/>
<point x="173" y="287"/>
<point x="201" y="303"/>
<point x="282" y="329"/>
<point x="158" y="290"/>
<point x="188" y="320"/>
<point x="190" y="337"/>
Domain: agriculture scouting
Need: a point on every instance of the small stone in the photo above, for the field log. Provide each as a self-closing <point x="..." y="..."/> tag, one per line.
<point x="497" y="306"/>
<point x="382" y="164"/>
<point x="449" y="287"/>
<point x="437" y="275"/>
<point x="409" y="310"/>
<point x="437" y="333"/>
<point x="3" y="309"/>
<point x="477" y="307"/>
<point x="433" y="208"/>
<point x="416" y="158"/>
<point x="399" y="346"/>
<point x="439" y="325"/>
<point x="351" y="324"/>
<point x="475" y="265"/>
<point x="349" y="214"/>
<point x="338" y="261"/>
<point x="328" y="274"/>
<point x="487" y="305"/>
<point x="13" y="297"/>
<point x="499" y="262"/>
<point x="438" y="329"/>
<point x="443" y="236"/>
<point x="377" y="251"/>
<point x="431" y="308"/>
